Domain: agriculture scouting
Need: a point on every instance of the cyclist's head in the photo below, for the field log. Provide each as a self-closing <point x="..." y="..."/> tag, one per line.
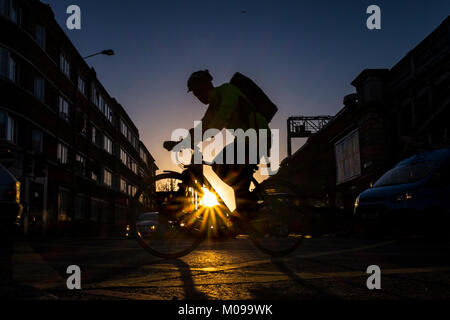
<point x="200" y="83"/>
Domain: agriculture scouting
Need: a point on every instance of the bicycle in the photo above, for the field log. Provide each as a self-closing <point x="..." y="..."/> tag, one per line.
<point x="191" y="211"/>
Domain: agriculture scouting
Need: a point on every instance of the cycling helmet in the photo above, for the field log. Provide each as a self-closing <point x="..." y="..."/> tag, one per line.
<point x="198" y="79"/>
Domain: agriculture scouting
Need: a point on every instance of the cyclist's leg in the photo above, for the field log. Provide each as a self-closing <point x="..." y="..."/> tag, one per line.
<point x="237" y="176"/>
<point x="245" y="200"/>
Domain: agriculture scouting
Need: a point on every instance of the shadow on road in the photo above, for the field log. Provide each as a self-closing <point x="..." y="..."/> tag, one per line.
<point x="315" y="290"/>
<point x="190" y="292"/>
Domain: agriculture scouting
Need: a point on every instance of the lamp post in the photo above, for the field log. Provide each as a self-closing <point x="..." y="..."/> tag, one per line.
<point x="108" y="52"/>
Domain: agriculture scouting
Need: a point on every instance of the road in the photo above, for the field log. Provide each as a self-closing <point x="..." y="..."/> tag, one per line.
<point x="323" y="268"/>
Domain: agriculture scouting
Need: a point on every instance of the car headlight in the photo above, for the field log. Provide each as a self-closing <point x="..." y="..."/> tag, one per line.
<point x="357" y="202"/>
<point x="407" y="195"/>
<point x="356" y="205"/>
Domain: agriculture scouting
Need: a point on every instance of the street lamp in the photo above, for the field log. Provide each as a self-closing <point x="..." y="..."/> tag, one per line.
<point x="108" y="52"/>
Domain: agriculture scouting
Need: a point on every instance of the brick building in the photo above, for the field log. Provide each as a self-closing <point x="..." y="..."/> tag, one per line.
<point x="72" y="146"/>
<point x="393" y="114"/>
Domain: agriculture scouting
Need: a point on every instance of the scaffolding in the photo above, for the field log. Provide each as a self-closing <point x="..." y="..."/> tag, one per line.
<point x="304" y="127"/>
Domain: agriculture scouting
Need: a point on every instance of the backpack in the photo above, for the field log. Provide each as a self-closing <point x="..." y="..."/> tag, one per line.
<point x="255" y="95"/>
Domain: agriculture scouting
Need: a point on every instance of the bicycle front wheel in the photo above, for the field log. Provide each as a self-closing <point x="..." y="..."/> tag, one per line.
<point x="170" y="231"/>
<point x="279" y="227"/>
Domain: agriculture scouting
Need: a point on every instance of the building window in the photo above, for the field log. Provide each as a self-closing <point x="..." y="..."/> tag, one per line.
<point x="99" y="139"/>
<point x="63" y="153"/>
<point x="84" y="124"/>
<point x="80" y="207"/>
<point x="80" y="165"/>
<point x="10" y="9"/>
<point x="101" y="103"/>
<point x="39" y="34"/>
<point x="8" y="65"/>
<point x="94" y="176"/>
<point x="94" y="209"/>
<point x="130" y="162"/>
<point x="131" y="190"/>
<point x="39" y="84"/>
<point x="4" y="7"/>
<point x="143" y="155"/>
<point x="81" y="85"/>
<point x="64" y="109"/>
<point x="107" y="177"/>
<point x="141" y="172"/>
<point x="107" y="112"/>
<point x="63" y="212"/>
<point x="14" y="11"/>
<point x="123" y="157"/>
<point x="36" y="140"/>
<point x="127" y="133"/>
<point x="95" y="96"/>
<point x="348" y="164"/>
<point x="133" y="166"/>
<point x="107" y="144"/>
<point x="123" y="185"/>
<point x="7" y="128"/>
<point x="123" y="128"/>
<point x="12" y="75"/>
<point x="94" y="135"/>
<point x="4" y="69"/>
<point x="64" y="65"/>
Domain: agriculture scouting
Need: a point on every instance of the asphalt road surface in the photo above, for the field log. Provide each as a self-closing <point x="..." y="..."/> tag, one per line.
<point x="322" y="268"/>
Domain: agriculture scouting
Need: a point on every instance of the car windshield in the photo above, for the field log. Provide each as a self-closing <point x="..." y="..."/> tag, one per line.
<point x="407" y="173"/>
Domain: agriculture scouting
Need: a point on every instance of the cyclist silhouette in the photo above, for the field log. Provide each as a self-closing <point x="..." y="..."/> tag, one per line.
<point x="229" y="108"/>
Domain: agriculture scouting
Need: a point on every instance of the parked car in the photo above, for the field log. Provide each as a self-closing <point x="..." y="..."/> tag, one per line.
<point x="415" y="193"/>
<point x="145" y="222"/>
<point x="10" y="205"/>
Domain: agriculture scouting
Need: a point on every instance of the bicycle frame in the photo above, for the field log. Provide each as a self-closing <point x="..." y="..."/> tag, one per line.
<point x="194" y="172"/>
<point x="208" y="220"/>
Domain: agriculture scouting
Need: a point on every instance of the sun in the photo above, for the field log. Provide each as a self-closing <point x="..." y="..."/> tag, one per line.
<point x="209" y="198"/>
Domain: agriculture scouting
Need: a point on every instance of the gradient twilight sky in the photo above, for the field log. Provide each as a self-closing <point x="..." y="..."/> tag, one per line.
<point x="304" y="54"/>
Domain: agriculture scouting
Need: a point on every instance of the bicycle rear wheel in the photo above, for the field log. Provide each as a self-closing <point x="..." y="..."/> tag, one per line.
<point x="279" y="227"/>
<point x="169" y="232"/>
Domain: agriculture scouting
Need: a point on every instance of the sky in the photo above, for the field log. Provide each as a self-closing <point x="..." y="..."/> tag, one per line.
<point x="303" y="54"/>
